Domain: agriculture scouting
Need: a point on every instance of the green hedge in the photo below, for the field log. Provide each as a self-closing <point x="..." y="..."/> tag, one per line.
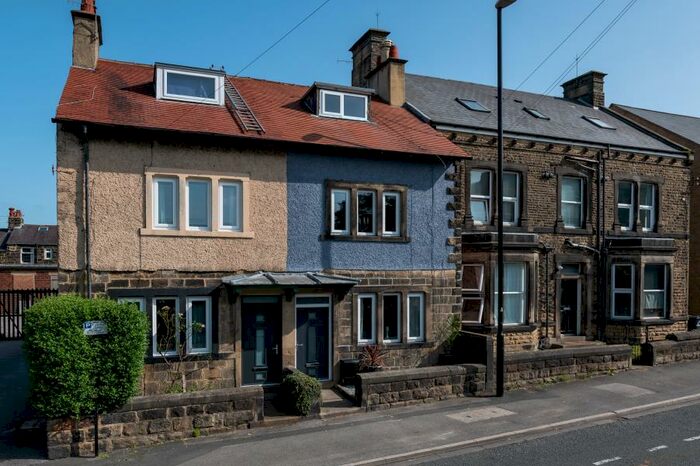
<point x="298" y="393"/>
<point x="72" y="374"/>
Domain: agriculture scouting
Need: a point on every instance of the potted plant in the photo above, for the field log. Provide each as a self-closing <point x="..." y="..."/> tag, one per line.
<point x="372" y="358"/>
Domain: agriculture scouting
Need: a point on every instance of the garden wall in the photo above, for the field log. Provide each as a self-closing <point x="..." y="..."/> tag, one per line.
<point x="389" y="389"/>
<point x="680" y="346"/>
<point x="529" y="368"/>
<point x="147" y="420"/>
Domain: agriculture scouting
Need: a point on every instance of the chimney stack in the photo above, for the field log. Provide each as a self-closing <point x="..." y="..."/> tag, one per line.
<point x="376" y="64"/>
<point x="14" y="218"/>
<point x="87" y="35"/>
<point x="588" y="87"/>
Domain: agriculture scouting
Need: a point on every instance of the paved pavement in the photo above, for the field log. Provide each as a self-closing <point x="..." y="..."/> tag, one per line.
<point x="435" y="429"/>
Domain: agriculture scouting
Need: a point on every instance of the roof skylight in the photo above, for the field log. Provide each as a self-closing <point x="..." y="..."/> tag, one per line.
<point x="536" y="113"/>
<point x="473" y="105"/>
<point x="598" y="122"/>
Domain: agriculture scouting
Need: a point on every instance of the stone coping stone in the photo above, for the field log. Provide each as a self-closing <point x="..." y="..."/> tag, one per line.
<point x="564" y="353"/>
<point x="684" y="336"/>
<point x="139" y="403"/>
<point x="419" y="373"/>
<point x="663" y="345"/>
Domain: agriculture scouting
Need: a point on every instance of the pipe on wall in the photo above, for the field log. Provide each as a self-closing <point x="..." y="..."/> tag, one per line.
<point x="86" y="195"/>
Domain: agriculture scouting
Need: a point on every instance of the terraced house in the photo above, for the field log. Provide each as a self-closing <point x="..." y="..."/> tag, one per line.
<point x="595" y="209"/>
<point x="286" y="225"/>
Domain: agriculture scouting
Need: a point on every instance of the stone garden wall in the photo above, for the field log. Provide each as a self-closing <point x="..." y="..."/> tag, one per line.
<point x="680" y="346"/>
<point x="394" y="388"/>
<point x="155" y="419"/>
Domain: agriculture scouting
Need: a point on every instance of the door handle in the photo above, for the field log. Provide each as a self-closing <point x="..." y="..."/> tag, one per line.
<point x="299" y="345"/>
<point x="276" y="349"/>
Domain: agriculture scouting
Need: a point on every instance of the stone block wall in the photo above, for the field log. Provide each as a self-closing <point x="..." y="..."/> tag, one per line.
<point x="150" y="420"/>
<point x="681" y="346"/>
<point x="203" y="374"/>
<point x="525" y="369"/>
<point x="391" y="389"/>
<point x="621" y="333"/>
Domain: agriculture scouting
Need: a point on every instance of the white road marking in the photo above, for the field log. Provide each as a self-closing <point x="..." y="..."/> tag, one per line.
<point x="607" y="460"/>
<point x="692" y="439"/>
<point x="660" y="447"/>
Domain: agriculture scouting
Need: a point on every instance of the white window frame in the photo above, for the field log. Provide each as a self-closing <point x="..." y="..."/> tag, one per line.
<point x="420" y="338"/>
<point x="139" y="300"/>
<point x="374" y="212"/>
<point x="32" y="255"/>
<point x="515" y="200"/>
<point x="322" y="107"/>
<point x="373" y="298"/>
<point x="481" y="308"/>
<point x="348" y="210"/>
<point x="187" y="203"/>
<point x="481" y="277"/>
<point x="481" y="197"/>
<point x="207" y="324"/>
<point x="396" y="195"/>
<point x="582" y="191"/>
<point x="398" y="318"/>
<point x="650" y="208"/>
<point x="239" y="210"/>
<point x="48" y="254"/>
<point x="174" y="182"/>
<point x="162" y="86"/>
<point x="523" y="295"/>
<point x="664" y="291"/>
<point x="154" y="326"/>
<point x="615" y="290"/>
<point x="629" y="207"/>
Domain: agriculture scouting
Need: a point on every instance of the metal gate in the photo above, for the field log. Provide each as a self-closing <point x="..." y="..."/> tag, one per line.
<point x="12" y="306"/>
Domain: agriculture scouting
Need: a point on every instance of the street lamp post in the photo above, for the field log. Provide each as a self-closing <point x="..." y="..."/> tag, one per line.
<point x="500" y="342"/>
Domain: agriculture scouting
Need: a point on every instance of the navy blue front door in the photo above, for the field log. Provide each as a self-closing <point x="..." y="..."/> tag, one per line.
<point x="313" y="337"/>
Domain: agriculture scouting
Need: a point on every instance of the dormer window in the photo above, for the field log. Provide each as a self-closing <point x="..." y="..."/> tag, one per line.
<point x="343" y="105"/>
<point x="189" y="84"/>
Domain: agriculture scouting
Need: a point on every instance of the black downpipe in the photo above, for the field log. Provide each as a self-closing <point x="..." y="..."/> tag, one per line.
<point x="600" y="240"/>
<point x="86" y="194"/>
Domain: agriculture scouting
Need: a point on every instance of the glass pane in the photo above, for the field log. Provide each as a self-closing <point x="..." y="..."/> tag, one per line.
<point x="509" y="211"/>
<point x="354" y="106"/>
<point x="311" y="345"/>
<point x="198" y="198"/>
<point x="313" y="300"/>
<point x="646" y="194"/>
<point x="654" y="277"/>
<point x="340" y="210"/>
<point x="510" y="184"/>
<point x="513" y="308"/>
<point x="331" y="103"/>
<point x="646" y="219"/>
<point x="366" y="318"/>
<point x="623" y="216"/>
<point x="623" y="304"/>
<point x="571" y="189"/>
<point x="624" y="193"/>
<point x="260" y="347"/>
<point x="365" y="212"/>
<point x="654" y="305"/>
<point x="191" y="86"/>
<point x="166" y="201"/>
<point x="480" y="183"/>
<point x="514" y="277"/>
<point x="471" y="309"/>
<point x="391" y="317"/>
<point x="166" y="325"/>
<point x="480" y="209"/>
<point x="415" y="313"/>
<point x="472" y="277"/>
<point x="623" y="276"/>
<point x="571" y="215"/>
<point x="199" y="324"/>
<point x="390" y="211"/>
<point x="229" y="206"/>
<point x="571" y="269"/>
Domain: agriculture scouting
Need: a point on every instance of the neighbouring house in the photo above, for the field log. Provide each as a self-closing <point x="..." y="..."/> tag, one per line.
<point x="294" y="225"/>
<point x="28" y="254"/>
<point x="595" y="208"/>
<point x="684" y="130"/>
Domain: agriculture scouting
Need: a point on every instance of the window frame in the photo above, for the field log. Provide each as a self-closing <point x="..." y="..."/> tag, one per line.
<point x="629" y="207"/>
<point x="140" y="300"/>
<point x="581" y="204"/>
<point x="48" y="254"/>
<point x="348" y="211"/>
<point x="420" y="338"/>
<point x="27" y="250"/>
<point x="481" y="197"/>
<point x="325" y="113"/>
<point x="208" y="203"/>
<point x="480" y="299"/>
<point x="360" y="321"/>
<point x="239" y="205"/>
<point x="208" y="325"/>
<point x="162" y="86"/>
<point x="615" y="290"/>
<point x="397" y="216"/>
<point x="374" y="212"/>
<point x="399" y="320"/>
<point x="515" y="200"/>
<point x="524" y="293"/>
<point x="652" y="208"/>
<point x="175" y="184"/>
<point x="154" y="327"/>
<point x="665" y="291"/>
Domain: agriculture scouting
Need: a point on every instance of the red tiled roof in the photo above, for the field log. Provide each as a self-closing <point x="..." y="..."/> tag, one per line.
<point x="122" y="94"/>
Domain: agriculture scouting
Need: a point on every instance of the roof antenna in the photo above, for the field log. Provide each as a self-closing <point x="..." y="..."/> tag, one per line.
<point x="577" y="58"/>
<point x="377" y="15"/>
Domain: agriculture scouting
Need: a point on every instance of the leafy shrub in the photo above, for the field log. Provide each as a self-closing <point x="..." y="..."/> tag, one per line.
<point x="72" y="374"/>
<point x="298" y="393"/>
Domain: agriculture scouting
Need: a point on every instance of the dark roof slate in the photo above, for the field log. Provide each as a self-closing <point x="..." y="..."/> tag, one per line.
<point x="436" y="99"/>
<point x="683" y="125"/>
<point x="32" y="235"/>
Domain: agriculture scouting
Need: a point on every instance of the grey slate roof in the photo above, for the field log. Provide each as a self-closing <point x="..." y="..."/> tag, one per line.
<point x="436" y="98"/>
<point x="683" y="125"/>
<point x="289" y="279"/>
<point x="32" y="235"/>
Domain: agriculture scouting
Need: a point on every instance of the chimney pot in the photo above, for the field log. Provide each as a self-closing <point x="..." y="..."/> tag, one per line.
<point x="14" y="218"/>
<point x="88" y="6"/>
<point x="393" y="51"/>
<point x="87" y="35"/>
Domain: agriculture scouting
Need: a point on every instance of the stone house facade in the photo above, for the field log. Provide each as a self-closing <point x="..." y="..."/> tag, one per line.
<point x="595" y="210"/>
<point x="282" y="225"/>
<point x="28" y="255"/>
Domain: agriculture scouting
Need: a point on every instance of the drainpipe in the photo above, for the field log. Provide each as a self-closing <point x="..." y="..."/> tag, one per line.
<point x="86" y="194"/>
<point x="547" y="250"/>
<point x="602" y="270"/>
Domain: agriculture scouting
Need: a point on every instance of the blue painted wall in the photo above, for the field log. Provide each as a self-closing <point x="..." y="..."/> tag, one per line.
<point x="428" y="217"/>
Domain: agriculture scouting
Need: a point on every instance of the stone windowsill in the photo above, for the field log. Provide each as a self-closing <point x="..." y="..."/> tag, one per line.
<point x="197" y="234"/>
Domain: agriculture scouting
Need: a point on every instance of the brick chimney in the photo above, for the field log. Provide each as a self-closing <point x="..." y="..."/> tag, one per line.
<point x="588" y="87"/>
<point x="87" y="35"/>
<point x="376" y="64"/>
<point x="14" y="218"/>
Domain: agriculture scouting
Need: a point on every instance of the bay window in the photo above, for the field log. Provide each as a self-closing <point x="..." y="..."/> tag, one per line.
<point x="655" y="291"/>
<point x="514" y="293"/>
<point x="622" y="291"/>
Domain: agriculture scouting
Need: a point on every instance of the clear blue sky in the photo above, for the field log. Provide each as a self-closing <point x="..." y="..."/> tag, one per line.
<point x="651" y="56"/>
